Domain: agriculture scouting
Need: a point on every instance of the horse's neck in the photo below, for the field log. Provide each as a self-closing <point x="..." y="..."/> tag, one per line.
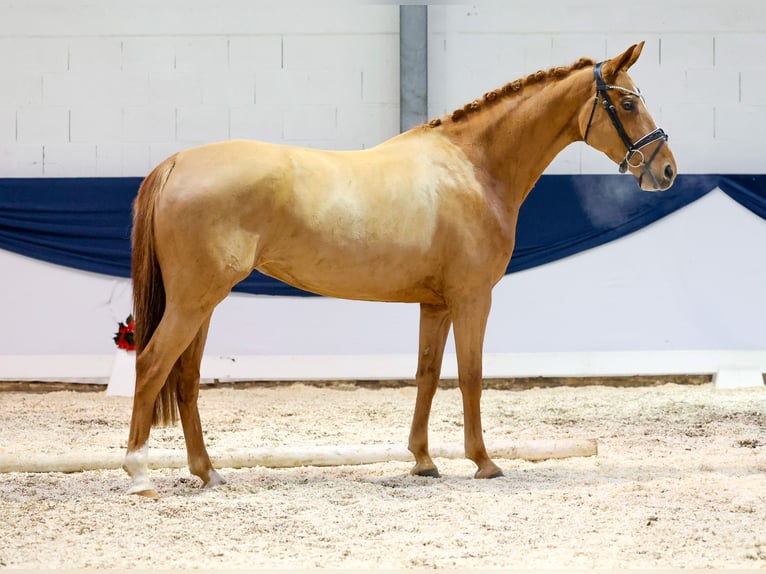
<point x="514" y="141"/>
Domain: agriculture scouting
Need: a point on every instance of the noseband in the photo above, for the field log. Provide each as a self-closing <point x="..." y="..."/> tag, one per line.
<point x="634" y="157"/>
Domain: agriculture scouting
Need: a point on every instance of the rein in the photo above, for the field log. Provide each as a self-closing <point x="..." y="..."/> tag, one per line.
<point x="634" y="148"/>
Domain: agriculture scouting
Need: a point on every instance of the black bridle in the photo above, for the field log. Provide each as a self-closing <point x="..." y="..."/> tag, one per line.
<point x="634" y="148"/>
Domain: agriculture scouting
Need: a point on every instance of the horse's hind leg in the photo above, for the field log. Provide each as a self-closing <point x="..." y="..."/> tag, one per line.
<point x="153" y="365"/>
<point x="434" y="327"/>
<point x="187" y="370"/>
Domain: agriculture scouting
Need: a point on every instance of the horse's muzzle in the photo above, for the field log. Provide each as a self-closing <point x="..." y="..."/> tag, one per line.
<point x="658" y="181"/>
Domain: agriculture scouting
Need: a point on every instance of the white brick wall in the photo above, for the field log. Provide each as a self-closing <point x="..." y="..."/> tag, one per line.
<point x="7" y="126"/>
<point x="150" y="123"/>
<point x="113" y="87"/>
<point x="108" y="87"/>
<point x="147" y="55"/>
<point x="21" y="160"/>
<point x="96" y="124"/>
<point x="41" y="125"/>
<point x="113" y="158"/>
<point x="262" y="122"/>
<point x="69" y="160"/>
<point x="251" y="53"/>
<point x="93" y="55"/>
<point x="702" y="69"/>
<point x="22" y="55"/>
<point x="687" y="51"/>
<point x="201" y="124"/>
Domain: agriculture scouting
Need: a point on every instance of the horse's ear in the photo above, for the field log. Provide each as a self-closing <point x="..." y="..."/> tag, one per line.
<point x="622" y="62"/>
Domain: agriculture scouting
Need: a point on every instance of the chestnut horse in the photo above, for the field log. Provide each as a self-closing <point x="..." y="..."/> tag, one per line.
<point x="426" y="217"/>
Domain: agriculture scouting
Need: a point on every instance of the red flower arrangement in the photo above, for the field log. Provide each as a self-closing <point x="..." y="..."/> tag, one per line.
<point x="123" y="338"/>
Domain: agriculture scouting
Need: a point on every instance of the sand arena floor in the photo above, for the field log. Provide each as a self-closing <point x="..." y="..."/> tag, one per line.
<point x="679" y="481"/>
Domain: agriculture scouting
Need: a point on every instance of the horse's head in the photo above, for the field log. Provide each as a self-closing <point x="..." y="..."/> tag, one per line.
<point x="618" y="124"/>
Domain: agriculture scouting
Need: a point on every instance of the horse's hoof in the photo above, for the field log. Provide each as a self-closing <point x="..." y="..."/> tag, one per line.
<point x="214" y="479"/>
<point x="427" y="472"/>
<point x="491" y="473"/>
<point x="151" y="493"/>
<point x="143" y="487"/>
<point x="146" y="492"/>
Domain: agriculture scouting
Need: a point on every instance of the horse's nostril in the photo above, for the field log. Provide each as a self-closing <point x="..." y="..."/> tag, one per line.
<point x="669" y="173"/>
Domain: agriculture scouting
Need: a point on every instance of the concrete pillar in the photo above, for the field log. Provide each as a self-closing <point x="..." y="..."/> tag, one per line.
<point x="413" y="66"/>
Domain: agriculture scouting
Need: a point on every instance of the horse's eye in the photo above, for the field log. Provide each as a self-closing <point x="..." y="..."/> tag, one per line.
<point x="628" y="105"/>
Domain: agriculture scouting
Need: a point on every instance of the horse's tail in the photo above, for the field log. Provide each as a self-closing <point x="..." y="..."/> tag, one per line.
<point x="148" y="287"/>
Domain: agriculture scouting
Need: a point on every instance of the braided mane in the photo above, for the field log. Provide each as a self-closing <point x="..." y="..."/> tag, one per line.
<point x="513" y="88"/>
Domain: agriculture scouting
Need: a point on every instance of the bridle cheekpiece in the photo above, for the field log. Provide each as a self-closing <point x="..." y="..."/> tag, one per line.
<point x="634" y="157"/>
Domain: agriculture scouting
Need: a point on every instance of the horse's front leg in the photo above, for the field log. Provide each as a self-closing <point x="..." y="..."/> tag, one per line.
<point x="434" y="327"/>
<point x="187" y="370"/>
<point x="470" y="321"/>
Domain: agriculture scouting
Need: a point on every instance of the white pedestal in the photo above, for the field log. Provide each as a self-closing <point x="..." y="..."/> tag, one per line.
<point x="738" y="378"/>
<point x="122" y="382"/>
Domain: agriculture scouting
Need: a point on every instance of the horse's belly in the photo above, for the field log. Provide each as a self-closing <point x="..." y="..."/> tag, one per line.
<point x="374" y="280"/>
<point x="374" y="246"/>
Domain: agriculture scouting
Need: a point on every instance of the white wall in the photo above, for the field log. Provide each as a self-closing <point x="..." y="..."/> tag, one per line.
<point x="111" y="88"/>
<point x="702" y="69"/>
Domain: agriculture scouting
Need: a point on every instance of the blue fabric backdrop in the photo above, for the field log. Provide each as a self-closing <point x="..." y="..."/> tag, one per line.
<point x="85" y="222"/>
